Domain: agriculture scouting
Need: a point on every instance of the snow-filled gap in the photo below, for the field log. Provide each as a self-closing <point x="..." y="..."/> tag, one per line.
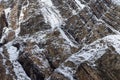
<point x="80" y="5"/>
<point x="53" y="17"/>
<point x="13" y="56"/>
<point x="117" y="2"/>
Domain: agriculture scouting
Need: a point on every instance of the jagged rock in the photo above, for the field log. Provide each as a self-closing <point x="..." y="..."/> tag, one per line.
<point x="107" y="68"/>
<point x="85" y="72"/>
<point x="112" y="17"/>
<point x="57" y="76"/>
<point x="33" y="19"/>
<point x="39" y="68"/>
<point x="10" y="36"/>
<point x="34" y="24"/>
<point x="59" y="39"/>
<point x="57" y="50"/>
<point x="3" y="21"/>
<point x="6" y="67"/>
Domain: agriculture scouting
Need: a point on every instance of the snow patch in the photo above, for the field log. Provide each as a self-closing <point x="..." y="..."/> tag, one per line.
<point x="13" y="56"/>
<point x="22" y="12"/>
<point x="7" y="11"/>
<point x="67" y="71"/>
<point x="17" y="31"/>
<point x="1" y="50"/>
<point x="80" y="5"/>
<point x="53" y="17"/>
<point x="47" y="2"/>
<point x="4" y="34"/>
<point x="66" y="38"/>
<point x="50" y="13"/>
<point x="117" y="2"/>
<point x="20" y="73"/>
<point x="90" y="53"/>
<point x="113" y="40"/>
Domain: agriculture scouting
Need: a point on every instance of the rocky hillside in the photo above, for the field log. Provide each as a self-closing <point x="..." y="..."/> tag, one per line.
<point x="59" y="39"/>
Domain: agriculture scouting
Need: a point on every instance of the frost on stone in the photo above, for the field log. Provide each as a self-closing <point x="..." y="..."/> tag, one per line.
<point x="117" y="2"/>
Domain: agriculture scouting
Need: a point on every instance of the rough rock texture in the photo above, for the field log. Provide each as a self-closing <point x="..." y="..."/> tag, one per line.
<point x="6" y="67"/>
<point x="3" y="21"/>
<point x="106" y="68"/>
<point x="59" y="39"/>
<point x="39" y="67"/>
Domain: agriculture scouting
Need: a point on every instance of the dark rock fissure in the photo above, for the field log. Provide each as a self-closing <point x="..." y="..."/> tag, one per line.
<point x="31" y="70"/>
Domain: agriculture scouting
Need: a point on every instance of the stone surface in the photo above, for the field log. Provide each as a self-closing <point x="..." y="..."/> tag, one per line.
<point x="107" y="68"/>
<point x="59" y="40"/>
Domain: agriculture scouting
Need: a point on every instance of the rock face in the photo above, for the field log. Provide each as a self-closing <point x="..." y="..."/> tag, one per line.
<point x="3" y="21"/>
<point x="106" y="68"/>
<point x="60" y="39"/>
<point x="6" y="67"/>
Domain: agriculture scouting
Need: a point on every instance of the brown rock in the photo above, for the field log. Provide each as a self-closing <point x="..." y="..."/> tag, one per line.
<point x="57" y="76"/>
<point x="6" y="67"/>
<point x="107" y="68"/>
<point x="3" y="20"/>
<point x="34" y="63"/>
<point x="11" y="36"/>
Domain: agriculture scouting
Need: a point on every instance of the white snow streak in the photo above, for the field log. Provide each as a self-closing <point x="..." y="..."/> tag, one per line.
<point x="7" y="11"/>
<point x="80" y="6"/>
<point x="117" y="2"/>
<point x="53" y="17"/>
<point x="13" y="56"/>
<point x="22" y="12"/>
<point x="66" y="38"/>
<point x="90" y="53"/>
<point x="50" y="13"/>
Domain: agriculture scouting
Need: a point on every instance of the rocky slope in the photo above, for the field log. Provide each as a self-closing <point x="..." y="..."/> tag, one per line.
<point x="59" y="39"/>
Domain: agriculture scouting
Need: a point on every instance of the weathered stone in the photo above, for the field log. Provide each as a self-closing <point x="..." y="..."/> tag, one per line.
<point x="57" y="76"/>
<point x="85" y="72"/>
<point x="6" y="67"/>
<point x="3" y="21"/>
<point x="33" y="25"/>
<point x="107" y="68"/>
<point x="38" y="68"/>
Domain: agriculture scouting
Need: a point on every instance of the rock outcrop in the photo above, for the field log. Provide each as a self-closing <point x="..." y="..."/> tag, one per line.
<point x="59" y="39"/>
<point x="107" y="68"/>
<point x="3" y="20"/>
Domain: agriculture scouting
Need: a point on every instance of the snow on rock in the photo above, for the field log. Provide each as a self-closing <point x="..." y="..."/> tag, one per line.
<point x="7" y="11"/>
<point x="13" y="56"/>
<point x="1" y="50"/>
<point x="3" y="0"/>
<point x="37" y="37"/>
<point x="117" y="2"/>
<point x="66" y="71"/>
<point x="5" y="34"/>
<point x="17" y="31"/>
<point x="90" y="53"/>
<point x="51" y="14"/>
<point x="113" y="40"/>
<point x="53" y="17"/>
<point x="20" y="73"/>
<point x="22" y="12"/>
<point x="66" y="38"/>
<point x="13" y="53"/>
<point x="114" y="30"/>
<point x="80" y="5"/>
<point x="47" y="2"/>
